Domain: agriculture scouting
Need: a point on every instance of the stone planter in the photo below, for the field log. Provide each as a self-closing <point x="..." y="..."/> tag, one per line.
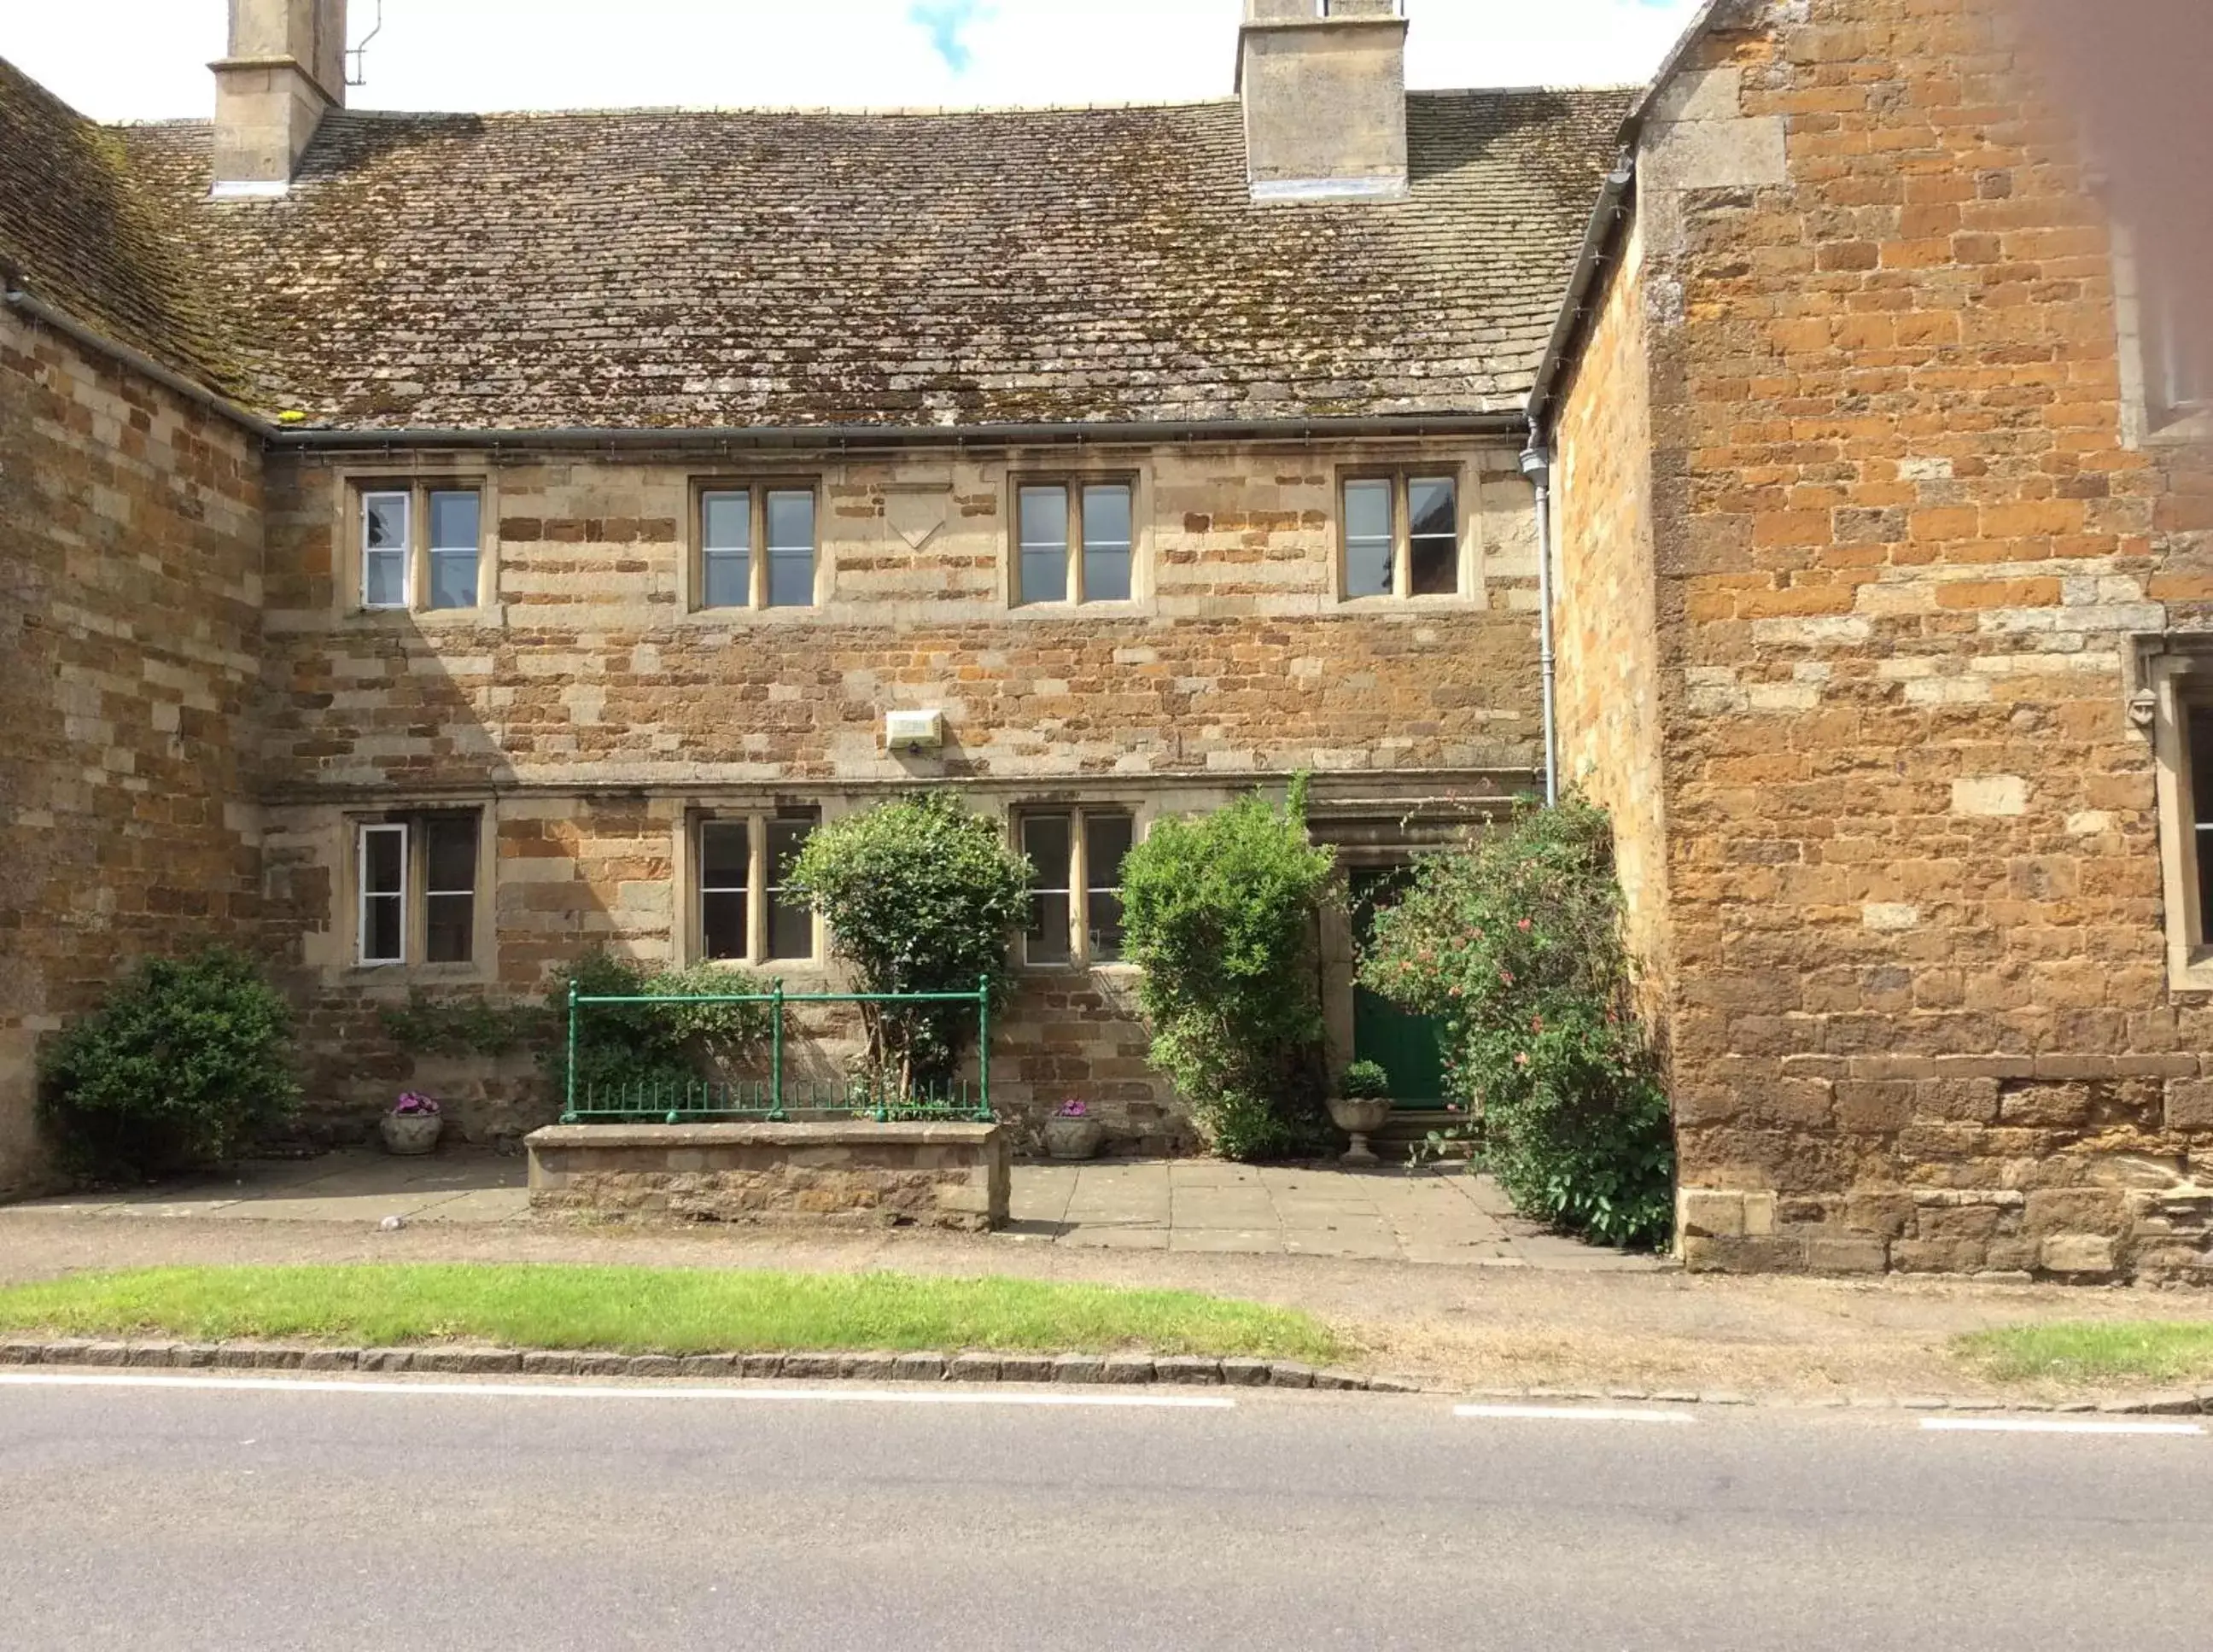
<point x="410" y="1135"/>
<point x="1360" y="1119"/>
<point x="1073" y="1138"/>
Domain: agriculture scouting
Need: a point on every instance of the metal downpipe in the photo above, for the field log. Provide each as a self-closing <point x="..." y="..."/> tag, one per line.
<point x="1537" y="466"/>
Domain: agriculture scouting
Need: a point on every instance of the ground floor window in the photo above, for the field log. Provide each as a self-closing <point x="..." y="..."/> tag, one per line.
<point x="1075" y="903"/>
<point x="746" y="911"/>
<point x="416" y="887"/>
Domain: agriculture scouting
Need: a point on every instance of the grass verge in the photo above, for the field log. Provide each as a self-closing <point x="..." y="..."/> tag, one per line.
<point x="2152" y="1350"/>
<point x="656" y="1311"/>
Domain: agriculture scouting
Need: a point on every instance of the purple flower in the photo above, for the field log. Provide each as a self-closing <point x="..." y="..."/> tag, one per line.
<point x="412" y="1105"/>
<point x="1073" y="1110"/>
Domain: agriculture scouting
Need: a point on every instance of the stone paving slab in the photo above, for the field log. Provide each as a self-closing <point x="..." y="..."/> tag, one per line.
<point x="1435" y="1216"/>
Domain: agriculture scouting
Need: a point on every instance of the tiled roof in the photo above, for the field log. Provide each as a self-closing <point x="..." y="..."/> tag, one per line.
<point x="734" y="269"/>
<point x="77" y="225"/>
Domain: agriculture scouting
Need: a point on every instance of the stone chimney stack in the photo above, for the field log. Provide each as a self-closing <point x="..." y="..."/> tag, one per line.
<point x="1325" y="89"/>
<point x="285" y="71"/>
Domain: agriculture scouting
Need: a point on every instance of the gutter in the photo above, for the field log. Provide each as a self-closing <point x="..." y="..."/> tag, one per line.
<point x="1120" y="433"/>
<point x="137" y="360"/>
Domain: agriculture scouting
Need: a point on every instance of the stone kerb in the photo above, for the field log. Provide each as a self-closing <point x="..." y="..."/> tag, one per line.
<point x="857" y="1173"/>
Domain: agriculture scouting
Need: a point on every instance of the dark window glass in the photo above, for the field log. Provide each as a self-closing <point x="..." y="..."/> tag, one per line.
<point x="790" y="550"/>
<point x="726" y="550"/>
<point x="1107" y="543"/>
<point x="2199" y="722"/>
<point x="1107" y="840"/>
<point x="790" y="919"/>
<point x="1367" y="540"/>
<point x="1434" y="549"/>
<point x="449" y="887"/>
<point x="1047" y="840"/>
<point x="725" y="878"/>
<point x="1044" y="570"/>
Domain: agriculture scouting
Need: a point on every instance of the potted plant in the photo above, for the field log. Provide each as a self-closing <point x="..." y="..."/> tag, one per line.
<point x="410" y="1129"/>
<point x="1072" y="1132"/>
<point x="1362" y="1106"/>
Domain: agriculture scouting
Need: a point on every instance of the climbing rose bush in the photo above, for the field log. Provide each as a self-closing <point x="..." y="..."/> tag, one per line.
<point x="1513" y="944"/>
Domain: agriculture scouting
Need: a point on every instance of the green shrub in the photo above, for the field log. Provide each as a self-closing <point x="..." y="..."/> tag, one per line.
<point x="186" y="1061"/>
<point x="920" y="896"/>
<point x="647" y="1048"/>
<point x="1220" y="914"/>
<point x="1514" y="943"/>
<point x="1365" y="1081"/>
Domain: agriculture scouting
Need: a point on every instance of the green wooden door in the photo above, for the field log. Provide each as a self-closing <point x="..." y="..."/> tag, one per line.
<point x="1405" y="1046"/>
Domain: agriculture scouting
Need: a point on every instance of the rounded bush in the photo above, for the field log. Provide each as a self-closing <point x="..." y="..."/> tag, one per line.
<point x="186" y="1061"/>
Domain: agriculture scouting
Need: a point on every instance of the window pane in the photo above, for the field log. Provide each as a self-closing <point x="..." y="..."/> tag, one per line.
<point x="1368" y="545"/>
<point x="790" y="919"/>
<point x="726" y="521"/>
<point x="729" y="579"/>
<point x="384" y="521"/>
<point x="1047" y="840"/>
<point x="454" y="579"/>
<point x="1434" y="506"/>
<point x="1106" y="839"/>
<point x="725" y="855"/>
<point x="384" y="579"/>
<point x="455" y="520"/>
<point x="449" y="855"/>
<point x="382" y="919"/>
<point x="791" y="550"/>
<point x="723" y="925"/>
<point x="449" y="927"/>
<point x="1043" y="570"/>
<point x="2199" y="725"/>
<point x="384" y="859"/>
<point x="1106" y="544"/>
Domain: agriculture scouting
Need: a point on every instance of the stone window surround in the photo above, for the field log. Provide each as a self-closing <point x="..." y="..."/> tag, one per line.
<point x="417" y="480"/>
<point x="1075" y="481"/>
<point x="2142" y="424"/>
<point x="688" y="861"/>
<point x="2174" y="674"/>
<point x="759" y="484"/>
<point x="1020" y="471"/>
<point x="483" y="938"/>
<point x="1078" y="874"/>
<point x="1469" y="585"/>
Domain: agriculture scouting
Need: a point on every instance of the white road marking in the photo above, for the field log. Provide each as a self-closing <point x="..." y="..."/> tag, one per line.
<point x="2043" y="1425"/>
<point x="1569" y="1414"/>
<point x="562" y="1391"/>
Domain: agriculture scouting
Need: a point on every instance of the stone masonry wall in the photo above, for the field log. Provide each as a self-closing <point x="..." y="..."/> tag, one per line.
<point x="592" y="710"/>
<point x="1904" y="543"/>
<point x="129" y="598"/>
<point x="1606" y="626"/>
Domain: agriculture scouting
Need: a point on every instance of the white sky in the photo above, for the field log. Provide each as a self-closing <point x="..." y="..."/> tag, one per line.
<point x="147" y="59"/>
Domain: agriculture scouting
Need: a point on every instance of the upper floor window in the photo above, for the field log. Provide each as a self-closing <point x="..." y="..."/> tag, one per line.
<point x="1402" y="535"/>
<point x="757" y="547"/>
<point x="1076" y="903"/>
<point x="416" y="889"/>
<point x="746" y="911"/>
<point x="1076" y="542"/>
<point x="422" y="546"/>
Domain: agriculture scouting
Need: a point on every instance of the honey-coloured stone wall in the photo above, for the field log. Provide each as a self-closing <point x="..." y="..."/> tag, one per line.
<point x="129" y="638"/>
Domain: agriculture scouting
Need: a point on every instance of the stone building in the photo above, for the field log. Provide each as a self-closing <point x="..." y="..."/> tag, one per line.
<point x="440" y="544"/>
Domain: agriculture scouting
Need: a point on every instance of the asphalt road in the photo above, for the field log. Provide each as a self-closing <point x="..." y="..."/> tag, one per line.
<point x="398" y="1516"/>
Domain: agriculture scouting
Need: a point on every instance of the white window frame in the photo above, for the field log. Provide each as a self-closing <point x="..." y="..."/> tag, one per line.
<point x="1078" y="886"/>
<point x="1073" y="488"/>
<point x="416" y="554"/>
<point x="1401" y="479"/>
<point x="760" y="555"/>
<point x="758" y="824"/>
<point x="362" y="894"/>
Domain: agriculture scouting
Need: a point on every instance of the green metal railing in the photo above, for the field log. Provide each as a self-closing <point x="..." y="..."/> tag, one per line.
<point x="775" y="1100"/>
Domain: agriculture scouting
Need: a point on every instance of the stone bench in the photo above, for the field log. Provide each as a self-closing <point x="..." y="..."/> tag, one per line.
<point x="847" y="1174"/>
